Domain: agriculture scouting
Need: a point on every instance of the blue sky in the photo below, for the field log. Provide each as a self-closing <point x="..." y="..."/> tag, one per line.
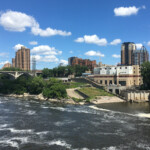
<point x="65" y="28"/>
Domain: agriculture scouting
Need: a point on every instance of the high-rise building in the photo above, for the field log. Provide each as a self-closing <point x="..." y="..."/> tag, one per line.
<point x="140" y="56"/>
<point x="22" y="59"/>
<point x="127" y="49"/>
<point x="13" y="62"/>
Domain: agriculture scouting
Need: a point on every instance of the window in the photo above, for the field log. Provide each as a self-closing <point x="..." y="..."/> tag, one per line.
<point x="126" y="67"/>
<point x="120" y="67"/>
<point x="101" y="81"/>
<point x="106" y="82"/>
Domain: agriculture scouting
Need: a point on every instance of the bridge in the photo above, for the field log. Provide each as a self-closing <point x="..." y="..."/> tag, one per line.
<point x="17" y="74"/>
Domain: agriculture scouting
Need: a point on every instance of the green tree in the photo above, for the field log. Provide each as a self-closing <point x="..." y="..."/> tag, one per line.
<point x="54" y="89"/>
<point x="45" y="73"/>
<point x="36" y="85"/>
<point x="145" y="72"/>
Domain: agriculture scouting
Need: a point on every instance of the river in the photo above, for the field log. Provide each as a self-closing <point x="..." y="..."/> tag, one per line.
<point x="40" y="125"/>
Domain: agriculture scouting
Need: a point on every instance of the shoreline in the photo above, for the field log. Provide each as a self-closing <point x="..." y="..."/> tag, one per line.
<point x="97" y="101"/>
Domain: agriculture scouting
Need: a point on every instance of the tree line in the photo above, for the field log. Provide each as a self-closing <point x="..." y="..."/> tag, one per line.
<point x="51" y="88"/>
<point x="64" y="71"/>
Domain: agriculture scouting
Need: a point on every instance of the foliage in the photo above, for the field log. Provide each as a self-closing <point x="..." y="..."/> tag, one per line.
<point x="145" y="72"/>
<point x="36" y="85"/>
<point x="64" y="71"/>
<point x="11" y="69"/>
<point x="54" y="89"/>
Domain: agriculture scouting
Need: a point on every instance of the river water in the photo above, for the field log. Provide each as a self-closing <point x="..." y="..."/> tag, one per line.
<point x="38" y="125"/>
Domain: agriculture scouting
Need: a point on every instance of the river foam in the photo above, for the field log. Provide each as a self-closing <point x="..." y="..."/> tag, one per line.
<point x="60" y="143"/>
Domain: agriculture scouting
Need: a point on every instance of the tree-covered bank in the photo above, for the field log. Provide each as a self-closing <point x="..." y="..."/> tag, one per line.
<point x="64" y="71"/>
<point x="51" y="88"/>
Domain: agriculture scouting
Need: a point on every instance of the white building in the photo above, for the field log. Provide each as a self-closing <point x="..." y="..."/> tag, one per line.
<point x="113" y="70"/>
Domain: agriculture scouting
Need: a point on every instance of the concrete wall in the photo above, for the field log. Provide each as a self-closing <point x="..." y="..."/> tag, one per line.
<point x="136" y="95"/>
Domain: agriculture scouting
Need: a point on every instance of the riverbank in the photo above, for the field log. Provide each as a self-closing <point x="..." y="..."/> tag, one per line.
<point x="98" y="100"/>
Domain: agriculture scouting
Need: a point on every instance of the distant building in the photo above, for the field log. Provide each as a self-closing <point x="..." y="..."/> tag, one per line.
<point x="70" y="60"/>
<point x="131" y="56"/>
<point x="140" y="56"/>
<point x="82" y="62"/>
<point x="127" y="49"/>
<point x="22" y="59"/>
<point x="119" y="75"/>
<point x="7" y="65"/>
<point x="13" y="62"/>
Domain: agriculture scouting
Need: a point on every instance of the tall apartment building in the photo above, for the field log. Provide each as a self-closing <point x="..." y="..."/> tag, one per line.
<point x="140" y="56"/>
<point x="13" y="62"/>
<point x="131" y="56"/>
<point x="22" y="59"/>
<point x="127" y="50"/>
<point x="82" y="62"/>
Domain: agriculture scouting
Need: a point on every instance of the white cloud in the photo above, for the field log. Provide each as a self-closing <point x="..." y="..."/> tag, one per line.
<point x="70" y="52"/>
<point x="148" y="43"/>
<point x="45" y="50"/>
<point x="94" y="53"/>
<point x="64" y="62"/>
<point x="139" y="45"/>
<point x="18" y="22"/>
<point x="48" y="32"/>
<point x="48" y="58"/>
<point x="115" y="42"/>
<point x="92" y="39"/>
<point x="17" y="47"/>
<point x="4" y="62"/>
<point x="33" y="43"/>
<point x="116" y="56"/>
<point x="127" y="11"/>
<point x="4" y="54"/>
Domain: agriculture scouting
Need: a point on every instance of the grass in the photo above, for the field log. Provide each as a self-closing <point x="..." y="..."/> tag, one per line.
<point x="93" y="92"/>
<point x="74" y="85"/>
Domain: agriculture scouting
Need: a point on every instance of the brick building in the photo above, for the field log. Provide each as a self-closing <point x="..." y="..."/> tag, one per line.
<point x="22" y="59"/>
<point x="7" y="65"/>
<point x="82" y="62"/>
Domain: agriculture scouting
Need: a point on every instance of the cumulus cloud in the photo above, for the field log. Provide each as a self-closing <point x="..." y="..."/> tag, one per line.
<point x="94" y="53"/>
<point x="17" y="47"/>
<point x="48" y="58"/>
<point x="18" y="22"/>
<point x="116" y="56"/>
<point x="139" y="45"/>
<point x="48" y="32"/>
<point x="33" y="43"/>
<point x="4" y="62"/>
<point x="127" y="11"/>
<point x="64" y="62"/>
<point x="148" y="43"/>
<point x="92" y="39"/>
<point x="45" y="50"/>
<point x="115" y="42"/>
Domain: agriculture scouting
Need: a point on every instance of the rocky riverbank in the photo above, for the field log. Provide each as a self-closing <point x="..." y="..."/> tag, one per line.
<point x="98" y="100"/>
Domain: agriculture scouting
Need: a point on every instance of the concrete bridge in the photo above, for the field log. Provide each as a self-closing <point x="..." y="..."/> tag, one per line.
<point x="17" y="74"/>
